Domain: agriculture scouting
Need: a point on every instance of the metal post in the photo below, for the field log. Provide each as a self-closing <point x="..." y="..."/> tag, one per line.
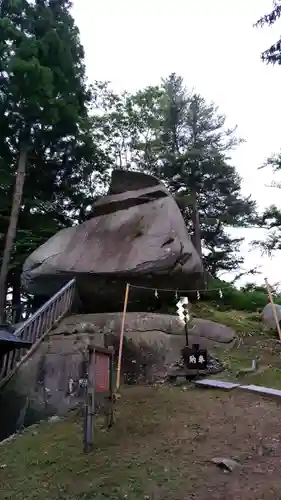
<point x="89" y="408"/>
<point x="110" y="410"/>
<point x="186" y="326"/>
<point x="88" y="441"/>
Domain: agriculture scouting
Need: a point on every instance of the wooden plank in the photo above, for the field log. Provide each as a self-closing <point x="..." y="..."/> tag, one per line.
<point x="217" y="384"/>
<point x="267" y="391"/>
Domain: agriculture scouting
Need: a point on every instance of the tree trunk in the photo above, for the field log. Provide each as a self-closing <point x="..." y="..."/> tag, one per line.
<point x="17" y="198"/>
<point x="196" y="240"/>
<point x="196" y="224"/>
<point x="16" y="299"/>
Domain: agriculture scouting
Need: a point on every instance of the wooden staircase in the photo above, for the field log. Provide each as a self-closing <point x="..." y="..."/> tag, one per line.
<point x="36" y="328"/>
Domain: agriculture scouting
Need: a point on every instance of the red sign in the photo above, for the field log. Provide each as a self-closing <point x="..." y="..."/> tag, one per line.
<point x="102" y="372"/>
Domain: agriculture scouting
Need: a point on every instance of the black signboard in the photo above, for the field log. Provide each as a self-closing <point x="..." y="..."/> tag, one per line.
<point x="195" y="358"/>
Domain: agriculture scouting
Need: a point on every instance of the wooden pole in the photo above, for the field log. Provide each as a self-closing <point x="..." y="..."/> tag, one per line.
<point x="121" y="341"/>
<point x="273" y="308"/>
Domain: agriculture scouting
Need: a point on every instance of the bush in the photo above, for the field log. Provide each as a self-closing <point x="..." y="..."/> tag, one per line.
<point x="248" y="298"/>
<point x="251" y="298"/>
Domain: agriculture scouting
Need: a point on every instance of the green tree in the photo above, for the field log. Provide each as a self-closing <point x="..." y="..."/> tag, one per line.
<point x="270" y="220"/>
<point x="198" y="170"/>
<point x="44" y="126"/>
<point x="127" y="125"/>
<point x="176" y="135"/>
<point x="272" y="54"/>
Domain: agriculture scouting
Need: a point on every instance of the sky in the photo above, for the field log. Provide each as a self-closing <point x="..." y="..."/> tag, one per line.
<point x="213" y="45"/>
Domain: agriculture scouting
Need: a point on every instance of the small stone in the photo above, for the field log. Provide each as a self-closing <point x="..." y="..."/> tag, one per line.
<point x="226" y="464"/>
<point x="54" y="418"/>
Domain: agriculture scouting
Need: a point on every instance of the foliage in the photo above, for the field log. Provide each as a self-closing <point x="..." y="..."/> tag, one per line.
<point x="75" y="134"/>
<point x="246" y="300"/>
<point x="249" y="298"/>
<point x="44" y="107"/>
<point x="174" y="134"/>
<point x="271" y="217"/>
<point x="272" y="54"/>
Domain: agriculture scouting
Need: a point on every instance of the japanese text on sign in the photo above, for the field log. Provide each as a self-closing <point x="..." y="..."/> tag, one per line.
<point x="192" y="359"/>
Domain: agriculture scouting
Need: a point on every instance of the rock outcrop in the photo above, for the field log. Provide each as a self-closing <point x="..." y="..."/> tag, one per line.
<point x="49" y="382"/>
<point x="136" y="233"/>
<point x="268" y="317"/>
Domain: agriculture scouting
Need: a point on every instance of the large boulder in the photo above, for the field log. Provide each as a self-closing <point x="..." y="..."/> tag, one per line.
<point x="150" y="329"/>
<point x="268" y="316"/>
<point x="136" y="233"/>
<point x="50" y="381"/>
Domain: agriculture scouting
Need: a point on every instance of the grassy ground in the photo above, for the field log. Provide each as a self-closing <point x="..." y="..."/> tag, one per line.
<point x="243" y="322"/>
<point x="160" y="448"/>
<point x="164" y="438"/>
<point x="254" y="341"/>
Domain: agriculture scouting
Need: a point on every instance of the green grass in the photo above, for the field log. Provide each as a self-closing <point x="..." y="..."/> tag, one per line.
<point x="131" y="459"/>
<point x="157" y="450"/>
<point x="160" y="448"/>
<point x="243" y="322"/>
<point x="254" y="341"/>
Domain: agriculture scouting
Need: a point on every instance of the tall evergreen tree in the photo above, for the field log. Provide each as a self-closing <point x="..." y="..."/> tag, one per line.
<point x="44" y="123"/>
<point x="271" y="218"/>
<point x="177" y="136"/>
<point x="272" y="54"/>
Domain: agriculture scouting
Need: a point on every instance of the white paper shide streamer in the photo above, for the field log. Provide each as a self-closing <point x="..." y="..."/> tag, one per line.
<point x="182" y="309"/>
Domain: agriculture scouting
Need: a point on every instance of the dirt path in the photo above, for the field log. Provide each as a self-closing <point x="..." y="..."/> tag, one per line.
<point x="236" y="425"/>
<point x="201" y="425"/>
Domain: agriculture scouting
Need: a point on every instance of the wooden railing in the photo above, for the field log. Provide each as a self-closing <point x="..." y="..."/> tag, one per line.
<point x="35" y="329"/>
